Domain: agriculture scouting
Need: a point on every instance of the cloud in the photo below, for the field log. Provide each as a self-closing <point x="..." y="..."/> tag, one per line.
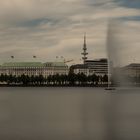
<point x="49" y="28"/>
<point x="129" y="3"/>
<point x="123" y="42"/>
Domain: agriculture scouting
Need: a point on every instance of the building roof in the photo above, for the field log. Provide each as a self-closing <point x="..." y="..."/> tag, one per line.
<point x="56" y="64"/>
<point x="79" y="66"/>
<point x="97" y="60"/>
<point x="23" y="64"/>
<point x="132" y="65"/>
<point x="33" y="64"/>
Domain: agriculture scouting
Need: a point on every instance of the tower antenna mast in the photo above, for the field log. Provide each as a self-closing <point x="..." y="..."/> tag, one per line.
<point x="84" y="53"/>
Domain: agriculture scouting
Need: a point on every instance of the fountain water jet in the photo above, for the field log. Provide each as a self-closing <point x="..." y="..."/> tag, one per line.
<point x="116" y="54"/>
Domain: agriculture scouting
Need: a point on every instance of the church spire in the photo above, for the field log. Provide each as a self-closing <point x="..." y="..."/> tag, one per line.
<point x="84" y="53"/>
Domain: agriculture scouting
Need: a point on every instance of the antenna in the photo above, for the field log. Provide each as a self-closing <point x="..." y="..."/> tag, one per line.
<point x="84" y="53"/>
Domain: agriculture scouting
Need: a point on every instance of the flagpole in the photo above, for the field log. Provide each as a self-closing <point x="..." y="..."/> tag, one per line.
<point x="12" y="57"/>
<point x="34" y="56"/>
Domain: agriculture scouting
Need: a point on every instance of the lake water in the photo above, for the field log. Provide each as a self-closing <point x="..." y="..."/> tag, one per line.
<point x="69" y="113"/>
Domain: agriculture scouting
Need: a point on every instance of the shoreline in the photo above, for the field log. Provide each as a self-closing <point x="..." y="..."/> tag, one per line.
<point x="93" y="86"/>
<point x="61" y="86"/>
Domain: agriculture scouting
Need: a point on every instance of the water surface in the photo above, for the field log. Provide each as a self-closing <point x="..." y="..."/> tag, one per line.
<point x="48" y="113"/>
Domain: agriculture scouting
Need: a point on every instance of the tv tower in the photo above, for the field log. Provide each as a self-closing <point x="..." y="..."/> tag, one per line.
<point x="84" y="53"/>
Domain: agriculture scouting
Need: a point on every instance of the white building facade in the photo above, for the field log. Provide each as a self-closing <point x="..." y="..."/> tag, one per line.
<point x="98" y="67"/>
<point x="34" y="68"/>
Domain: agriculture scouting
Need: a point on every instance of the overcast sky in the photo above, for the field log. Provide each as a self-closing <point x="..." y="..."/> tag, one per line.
<point x="50" y="28"/>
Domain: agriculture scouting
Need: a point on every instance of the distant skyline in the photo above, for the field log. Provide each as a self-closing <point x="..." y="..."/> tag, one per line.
<point x="50" y="28"/>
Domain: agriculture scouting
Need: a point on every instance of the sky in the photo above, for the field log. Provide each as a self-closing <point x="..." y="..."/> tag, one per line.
<point x="50" y="28"/>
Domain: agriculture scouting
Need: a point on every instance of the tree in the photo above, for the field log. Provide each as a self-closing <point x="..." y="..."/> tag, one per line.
<point x="105" y="79"/>
<point x="81" y="78"/>
<point x="32" y="79"/>
<point x="25" y="79"/>
<point x="89" y="79"/>
<point x="2" y="78"/>
<point x="40" y="79"/>
<point x="72" y="78"/>
<point x="49" y="79"/>
<point x="10" y="79"/>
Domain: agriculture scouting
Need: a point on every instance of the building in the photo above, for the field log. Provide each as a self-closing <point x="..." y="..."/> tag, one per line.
<point x="132" y="70"/>
<point x="34" y="68"/>
<point x="90" y="67"/>
<point x="80" y="68"/>
<point x="53" y="68"/>
<point x="98" y="67"/>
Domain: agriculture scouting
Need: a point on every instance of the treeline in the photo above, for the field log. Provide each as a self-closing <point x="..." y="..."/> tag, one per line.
<point x="55" y="80"/>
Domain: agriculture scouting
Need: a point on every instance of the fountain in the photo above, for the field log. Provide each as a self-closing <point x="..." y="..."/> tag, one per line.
<point x="116" y="55"/>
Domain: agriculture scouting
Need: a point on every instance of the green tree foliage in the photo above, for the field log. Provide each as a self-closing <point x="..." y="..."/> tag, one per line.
<point x="72" y="78"/>
<point x="56" y="80"/>
<point x="105" y="78"/>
